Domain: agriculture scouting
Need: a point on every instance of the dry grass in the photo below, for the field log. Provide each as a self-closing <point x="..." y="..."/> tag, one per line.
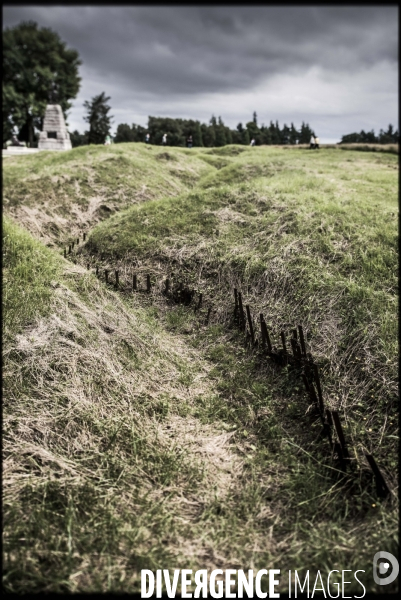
<point x="100" y="376"/>
<point x="136" y="437"/>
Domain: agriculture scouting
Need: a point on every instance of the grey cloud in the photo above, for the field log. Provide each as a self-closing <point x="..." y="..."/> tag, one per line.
<point x="205" y="49"/>
<point x="163" y="54"/>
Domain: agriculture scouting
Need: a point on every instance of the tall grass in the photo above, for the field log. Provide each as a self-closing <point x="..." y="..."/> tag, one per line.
<point x="137" y="437"/>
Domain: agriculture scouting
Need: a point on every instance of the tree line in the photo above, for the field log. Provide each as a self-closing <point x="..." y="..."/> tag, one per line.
<point x="390" y="136"/>
<point x="214" y="133"/>
<point x="38" y="69"/>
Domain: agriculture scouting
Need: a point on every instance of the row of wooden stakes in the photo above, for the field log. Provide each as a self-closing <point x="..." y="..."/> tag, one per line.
<point x="303" y="360"/>
<point x="179" y="293"/>
<point x="299" y="358"/>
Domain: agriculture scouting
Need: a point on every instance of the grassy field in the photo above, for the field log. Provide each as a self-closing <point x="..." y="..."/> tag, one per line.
<point x="134" y="435"/>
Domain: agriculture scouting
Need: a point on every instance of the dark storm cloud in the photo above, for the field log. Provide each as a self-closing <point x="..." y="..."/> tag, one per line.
<point x="334" y="66"/>
<point x="173" y="50"/>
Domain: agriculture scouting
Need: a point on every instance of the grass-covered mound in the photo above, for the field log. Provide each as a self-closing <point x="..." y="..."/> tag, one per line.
<point x="311" y="240"/>
<point x="60" y="194"/>
<point x="137" y="437"/>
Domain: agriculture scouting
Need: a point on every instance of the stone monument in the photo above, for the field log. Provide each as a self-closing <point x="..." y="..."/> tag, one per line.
<point x="54" y="135"/>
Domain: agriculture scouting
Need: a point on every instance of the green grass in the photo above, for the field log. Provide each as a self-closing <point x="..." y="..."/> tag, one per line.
<point x="29" y="270"/>
<point x="137" y="437"/>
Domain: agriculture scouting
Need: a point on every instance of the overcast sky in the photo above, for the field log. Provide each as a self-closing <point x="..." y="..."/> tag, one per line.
<point x="334" y="67"/>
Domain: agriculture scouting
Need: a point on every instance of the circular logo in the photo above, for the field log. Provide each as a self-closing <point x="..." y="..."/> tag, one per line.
<point x="383" y="567"/>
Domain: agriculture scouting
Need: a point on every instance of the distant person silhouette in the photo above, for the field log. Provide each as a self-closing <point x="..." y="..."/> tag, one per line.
<point x="317" y="142"/>
<point x="189" y="141"/>
<point x="164" y="139"/>
<point x="252" y="142"/>
<point x="107" y="141"/>
<point x="312" y="143"/>
<point x="147" y="138"/>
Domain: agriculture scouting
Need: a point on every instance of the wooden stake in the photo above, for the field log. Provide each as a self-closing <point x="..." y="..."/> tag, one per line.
<point x="236" y="303"/>
<point x="248" y="312"/>
<point x="117" y="280"/>
<point x="241" y="312"/>
<point x="329" y="427"/>
<point x="302" y="340"/>
<point x="282" y="335"/>
<point x="84" y="235"/>
<point x="134" y="283"/>
<point x="381" y="485"/>
<point x="319" y="389"/>
<point x="106" y="275"/>
<point x="306" y="382"/>
<point x="295" y="348"/>
<point x="266" y="334"/>
<point x="340" y="434"/>
<point x="167" y="288"/>
<point x="208" y="316"/>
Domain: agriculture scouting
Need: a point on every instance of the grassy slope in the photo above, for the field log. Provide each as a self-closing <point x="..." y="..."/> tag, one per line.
<point x="57" y="196"/>
<point x="256" y="494"/>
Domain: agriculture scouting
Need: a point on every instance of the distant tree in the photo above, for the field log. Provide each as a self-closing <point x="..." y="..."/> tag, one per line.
<point x="274" y="133"/>
<point x="197" y="135"/>
<point x="35" y="63"/>
<point x="371" y="138"/>
<point x="285" y="135"/>
<point x="351" y="138"/>
<point x="158" y="126"/>
<point x="265" y="136"/>
<point x="98" y="118"/>
<point x="255" y="119"/>
<point x="78" y="139"/>
<point x="294" y="134"/>
<point x="389" y="136"/>
<point x="208" y="135"/>
<point x="368" y="137"/>
<point x="215" y="133"/>
<point x="305" y="133"/>
<point x="124" y="134"/>
<point x="253" y="131"/>
<point x="139" y="133"/>
<point x="245" y="139"/>
<point x="221" y="139"/>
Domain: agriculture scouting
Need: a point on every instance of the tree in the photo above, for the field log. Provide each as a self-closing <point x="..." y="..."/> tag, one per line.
<point x="98" y="119"/>
<point x="265" y="135"/>
<point x="197" y="136"/>
<point x="305" y="133"/>
<point x="208" y="135"/>
<point x="124" y="133"/>
<point x="294" y="135"/>
<point x="221" y="138"/>
<point x="253" y="131"/>
<point x="285" y="135"/>
<point x="274" y="133"/>
<point x="245" y="138"/>
<point x="78" y="139"/>
<point x="254" y="118"/>
<point x="36" y="62"/>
